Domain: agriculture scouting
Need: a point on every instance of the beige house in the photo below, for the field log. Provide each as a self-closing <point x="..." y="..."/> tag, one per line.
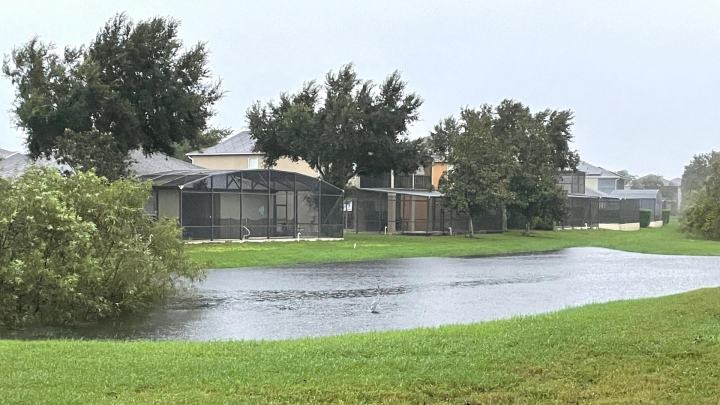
<point x="236" y="153"/>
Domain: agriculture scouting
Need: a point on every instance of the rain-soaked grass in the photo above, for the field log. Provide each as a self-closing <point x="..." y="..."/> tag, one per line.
<point x="665" y="240"/>
<point x="659" y="350"/>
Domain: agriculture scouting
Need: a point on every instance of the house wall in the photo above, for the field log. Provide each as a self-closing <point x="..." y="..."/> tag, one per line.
<point x="591" y="183"/>
<point x="438" y="169"/>
<point x="240" y="162"/>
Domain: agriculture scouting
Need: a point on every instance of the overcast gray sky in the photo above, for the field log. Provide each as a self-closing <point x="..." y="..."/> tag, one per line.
<point x="643" y="77"/>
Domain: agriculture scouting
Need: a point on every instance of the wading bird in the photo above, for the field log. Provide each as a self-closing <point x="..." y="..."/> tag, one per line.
<point x="376" y="301"/>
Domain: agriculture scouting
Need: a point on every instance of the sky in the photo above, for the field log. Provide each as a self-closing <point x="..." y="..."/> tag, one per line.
<point x="642" y="77"/>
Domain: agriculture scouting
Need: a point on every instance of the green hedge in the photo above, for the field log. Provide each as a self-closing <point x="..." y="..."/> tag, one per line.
<point x="666" y="217"/>
<point x="645" y="217"/>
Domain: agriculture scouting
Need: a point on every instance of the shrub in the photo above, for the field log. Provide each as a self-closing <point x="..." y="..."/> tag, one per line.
<point x="82" y="248"/>
<point x="666" y="216"/>
<point x="702" y="218"/>
<point x="645" y="217"/>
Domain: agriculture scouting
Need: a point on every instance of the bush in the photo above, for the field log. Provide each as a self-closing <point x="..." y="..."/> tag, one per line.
<point x="645" y="217"/>
<point x="82" y="248"/>
<point x="666" y="216"/>
<point x="702" y="218"/>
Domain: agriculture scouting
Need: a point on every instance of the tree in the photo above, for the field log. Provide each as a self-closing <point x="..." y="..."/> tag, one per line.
<point x="205" y="139"/>
<point x="649" y="182"/>
<point x="80" y="248"/>
<point x="345" y="127"/>
<point x="697" y="172"/>
<point x="540" y="144"/>
<point x="133" y="83"/>
<point x="703" y="217"/>
<point x="626" y="176"/>
<point x="481" y="167"/>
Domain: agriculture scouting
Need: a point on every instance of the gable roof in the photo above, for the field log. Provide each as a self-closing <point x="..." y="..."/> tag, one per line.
<point x="157" y="162"/>
<point x="6" y="153"/>
<point x="16" y="164"/>
<point x="240" y="143"/>
<point x="591" y="170"/>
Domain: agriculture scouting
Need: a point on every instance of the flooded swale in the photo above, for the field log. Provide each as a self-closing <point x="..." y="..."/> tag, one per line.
<point x="334" y="298"/>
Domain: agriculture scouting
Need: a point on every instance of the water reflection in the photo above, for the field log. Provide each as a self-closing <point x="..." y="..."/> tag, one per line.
<point x="324" y="299"/>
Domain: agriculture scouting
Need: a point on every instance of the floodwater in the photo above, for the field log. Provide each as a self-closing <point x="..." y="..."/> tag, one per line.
<point x="334" y="298"/>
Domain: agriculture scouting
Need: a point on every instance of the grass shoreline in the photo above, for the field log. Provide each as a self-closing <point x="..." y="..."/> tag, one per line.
<point x="666" y="240"/>
<point x="655" y="349"/>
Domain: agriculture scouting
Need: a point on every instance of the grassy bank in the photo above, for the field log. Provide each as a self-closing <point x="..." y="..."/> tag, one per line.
<point x="663" y="349"/>
<point x="665" y="240"/>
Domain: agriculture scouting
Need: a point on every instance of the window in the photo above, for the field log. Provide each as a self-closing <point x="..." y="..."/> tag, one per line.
<point x="252" y="163"/>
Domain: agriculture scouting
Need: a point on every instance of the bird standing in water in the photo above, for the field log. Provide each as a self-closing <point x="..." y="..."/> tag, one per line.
<point x="376" y="301"/>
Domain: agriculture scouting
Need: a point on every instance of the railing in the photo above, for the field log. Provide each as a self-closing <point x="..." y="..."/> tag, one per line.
<point x="413" y="181"/>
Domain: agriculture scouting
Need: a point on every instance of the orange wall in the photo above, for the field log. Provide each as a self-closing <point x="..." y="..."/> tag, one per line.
<point x="438" y="169"/>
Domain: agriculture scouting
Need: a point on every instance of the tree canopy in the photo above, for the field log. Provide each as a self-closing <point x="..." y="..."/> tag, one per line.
<point x="702" y="218"/>
<point x="649" y="182"/>
<point x="626" y="176"/>
<point x="697" y="171"/>
<point x="480" y="167"/>
<point x="134" y="84"/>
<point x="345" y="127"/>
<point x="520" y="158"/>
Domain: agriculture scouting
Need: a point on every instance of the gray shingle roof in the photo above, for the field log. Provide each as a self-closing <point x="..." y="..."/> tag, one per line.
<point x="16" y="164"/>
<point x="239" y="143"/>
<point x="5" y="153"/>
<point x="598" y="171"/>
<point x="157" y="162"/>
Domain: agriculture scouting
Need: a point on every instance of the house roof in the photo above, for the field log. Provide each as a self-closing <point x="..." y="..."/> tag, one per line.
<point x="636" y="194"/>
<point x="16" y="164"/>
<point x="240" y="143"/>
<point x="597" y="171"/>
<point x="157" y="162"/>
<point x="5" y="153"/>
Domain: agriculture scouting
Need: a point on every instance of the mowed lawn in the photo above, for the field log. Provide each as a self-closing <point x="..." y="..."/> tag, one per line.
<point x="665" y="240"/>
<point x="660" y="350"/>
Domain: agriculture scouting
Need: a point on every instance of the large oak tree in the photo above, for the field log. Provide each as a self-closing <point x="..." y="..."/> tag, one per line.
<point x="344" y="127"/>
<point x="134" y="86"/>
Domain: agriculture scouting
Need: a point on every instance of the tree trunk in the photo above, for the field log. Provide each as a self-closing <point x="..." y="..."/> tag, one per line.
<point x="527" y="229"/>
<point x="472" y="231"/>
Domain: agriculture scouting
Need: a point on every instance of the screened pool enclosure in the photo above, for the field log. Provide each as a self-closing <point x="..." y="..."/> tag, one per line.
<point x="247" y="204"/>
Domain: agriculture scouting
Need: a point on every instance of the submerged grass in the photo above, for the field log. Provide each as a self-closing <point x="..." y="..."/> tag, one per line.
<point x="665" y="240"/>
<point x="651" y="350"/>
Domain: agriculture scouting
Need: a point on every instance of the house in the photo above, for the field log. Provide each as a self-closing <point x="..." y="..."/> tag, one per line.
<point x="238" y="153"/>
<point x="600" y="179"/>
<point x="17" y="163"/>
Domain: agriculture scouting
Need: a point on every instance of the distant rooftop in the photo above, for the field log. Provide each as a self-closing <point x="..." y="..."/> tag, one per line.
<point x="16" y="164"/>
<point x="5" y="153"/>
<point x="597" y="171"/>
<point x="240" y="143"/>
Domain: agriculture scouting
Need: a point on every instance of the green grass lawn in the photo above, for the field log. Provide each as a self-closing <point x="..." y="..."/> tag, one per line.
<point x="664" y="350"/>
<point x="665" y="240"/>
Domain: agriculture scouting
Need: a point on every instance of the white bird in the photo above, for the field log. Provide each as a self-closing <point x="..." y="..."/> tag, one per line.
<point x="376" y="302"/>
